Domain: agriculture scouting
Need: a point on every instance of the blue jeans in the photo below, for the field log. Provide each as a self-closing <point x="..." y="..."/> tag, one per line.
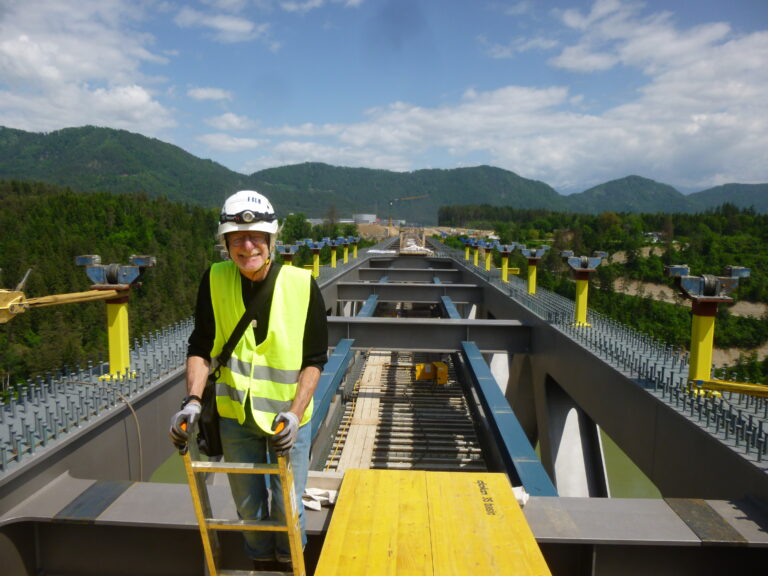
<point x="248" y="443"/>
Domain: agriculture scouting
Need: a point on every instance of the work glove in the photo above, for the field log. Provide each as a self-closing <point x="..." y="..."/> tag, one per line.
<point x="286" y="428"/>
<point x="182" y="422"/>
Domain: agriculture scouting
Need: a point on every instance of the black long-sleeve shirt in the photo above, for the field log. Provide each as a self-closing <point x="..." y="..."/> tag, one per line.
<point x="315" y="344"/>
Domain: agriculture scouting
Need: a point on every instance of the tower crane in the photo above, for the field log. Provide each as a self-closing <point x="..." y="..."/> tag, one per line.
<point x="393" y="200"/>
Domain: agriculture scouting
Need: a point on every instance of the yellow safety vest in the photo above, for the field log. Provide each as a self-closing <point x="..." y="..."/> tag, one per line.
<point x="269" y="372"/>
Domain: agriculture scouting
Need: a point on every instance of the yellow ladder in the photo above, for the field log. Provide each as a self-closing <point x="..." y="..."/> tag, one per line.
<point x="196" y="472"/>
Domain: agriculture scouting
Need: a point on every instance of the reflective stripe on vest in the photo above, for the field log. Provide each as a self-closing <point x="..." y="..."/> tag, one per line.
<point x="269" y="372"/>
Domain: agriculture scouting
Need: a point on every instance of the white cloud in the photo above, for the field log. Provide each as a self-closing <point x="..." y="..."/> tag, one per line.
<point x="600" y="9"/>
<point x="518" y="8"/>
<point x="227" y="143"/>
<point x="128" y="107"/>
<point x="301" y="7"/>
<point x="304" y="6"/>
<point x="209" y="94"/>
<point x="700" y="119"/>
<point x="225" y="27"/>
<point x="50" y="77"/>
<point x="581" y="58"/>
<point x="294" y="152"/>
<point x="517" y="46"/>
<point x="307" y="130"/>
<point x="227" y="5"/>
<point x="229" y="121"/>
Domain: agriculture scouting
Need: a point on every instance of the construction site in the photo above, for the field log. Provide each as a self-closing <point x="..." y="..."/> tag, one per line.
<point x="458" y="429"/>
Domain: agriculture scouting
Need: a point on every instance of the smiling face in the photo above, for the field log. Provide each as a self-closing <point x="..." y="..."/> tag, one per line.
<point x="250" y="252"/>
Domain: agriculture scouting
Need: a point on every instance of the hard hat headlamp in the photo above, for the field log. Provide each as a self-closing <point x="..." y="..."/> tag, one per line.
<point x="247" y="217"/>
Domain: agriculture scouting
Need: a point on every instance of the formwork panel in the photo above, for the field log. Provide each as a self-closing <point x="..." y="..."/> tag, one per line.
<point x="423" y="522"/>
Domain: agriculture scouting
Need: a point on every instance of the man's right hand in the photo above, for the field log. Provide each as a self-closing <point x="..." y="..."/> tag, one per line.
<point x="182" y="422"/>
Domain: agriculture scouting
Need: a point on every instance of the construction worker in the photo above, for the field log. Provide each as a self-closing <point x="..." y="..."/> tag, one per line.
<point x="273" y="371"/>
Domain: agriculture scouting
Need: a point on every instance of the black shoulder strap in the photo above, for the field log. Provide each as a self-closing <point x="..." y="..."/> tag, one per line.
<point x="250" y="312"/>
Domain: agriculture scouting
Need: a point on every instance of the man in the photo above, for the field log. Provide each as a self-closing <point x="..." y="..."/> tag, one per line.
<point x="273" y="371"/>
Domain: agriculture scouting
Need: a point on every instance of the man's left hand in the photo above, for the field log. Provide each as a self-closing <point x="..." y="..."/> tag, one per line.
<point x="284" y="440"/>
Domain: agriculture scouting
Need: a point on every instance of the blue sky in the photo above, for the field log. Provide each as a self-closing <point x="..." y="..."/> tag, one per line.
<point x="570" y="92"/>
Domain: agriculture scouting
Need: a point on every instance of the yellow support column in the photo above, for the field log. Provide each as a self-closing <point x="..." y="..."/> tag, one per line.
<point x="466" y="252"/>
<point x="532" y="276"/>
<point x="582" y="289"/>
<point x="346" y="253"/>
<point x="476" y="255"/>
<point x="488" y="254"/>
<point x="702" y="338"/>
<point x="315" y="262"/>
<point x="505" y="267"/>
<point x="333" y="256"/>
<point x="354" y="250"/>
<point x="117" y="332"/>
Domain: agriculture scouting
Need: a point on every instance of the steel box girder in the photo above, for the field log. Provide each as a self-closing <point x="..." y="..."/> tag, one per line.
<point x="431" y="334"/>
<point x="416" y="293"/>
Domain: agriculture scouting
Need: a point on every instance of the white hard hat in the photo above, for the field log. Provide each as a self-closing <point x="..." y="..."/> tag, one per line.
<point x="248" y="210"/>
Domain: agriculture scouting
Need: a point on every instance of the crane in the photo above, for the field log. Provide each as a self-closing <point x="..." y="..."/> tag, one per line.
<point x="393" y="200"/>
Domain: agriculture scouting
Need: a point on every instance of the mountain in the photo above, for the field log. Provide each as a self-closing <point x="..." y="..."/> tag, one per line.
<point x="91" y="159"/>
<point x="315" y="188"/>
<point x="742" y="195"/>
<point x="629" y="194"/>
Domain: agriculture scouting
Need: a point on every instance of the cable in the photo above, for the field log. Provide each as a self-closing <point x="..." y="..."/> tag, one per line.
<point x="135" y="419"/>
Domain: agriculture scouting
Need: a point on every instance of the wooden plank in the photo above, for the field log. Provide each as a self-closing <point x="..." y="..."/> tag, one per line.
<point x="358" y="448"/>
<point x="477" y="525"/>
<point x="380" y="528"/>
<point x="433" y="523"/>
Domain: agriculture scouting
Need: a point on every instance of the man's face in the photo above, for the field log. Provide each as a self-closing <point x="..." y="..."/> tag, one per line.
<point x="249" y="251"/>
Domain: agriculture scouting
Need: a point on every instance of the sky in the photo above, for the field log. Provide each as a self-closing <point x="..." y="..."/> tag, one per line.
<point x="570" y="92"/>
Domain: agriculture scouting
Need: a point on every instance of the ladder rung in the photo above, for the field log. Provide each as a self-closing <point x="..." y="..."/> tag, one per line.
<point x="236" y="467"/>
<point x="246" y="525"/>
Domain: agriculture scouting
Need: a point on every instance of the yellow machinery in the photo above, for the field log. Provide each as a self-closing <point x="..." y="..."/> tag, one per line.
<point x="717" y="386"/>
<point x="434" y="371"/>
<point x="112" y="283"/>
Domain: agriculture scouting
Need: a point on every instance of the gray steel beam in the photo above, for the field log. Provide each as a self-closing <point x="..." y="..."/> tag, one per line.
<point x="410" y="274"/>
<point x="431" y="334"/>
<point x="416" y="293"/>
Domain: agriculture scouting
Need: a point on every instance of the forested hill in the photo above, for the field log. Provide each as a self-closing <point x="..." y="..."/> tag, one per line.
<point x="92" y="159"/>
<point x="44" y="228"/>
